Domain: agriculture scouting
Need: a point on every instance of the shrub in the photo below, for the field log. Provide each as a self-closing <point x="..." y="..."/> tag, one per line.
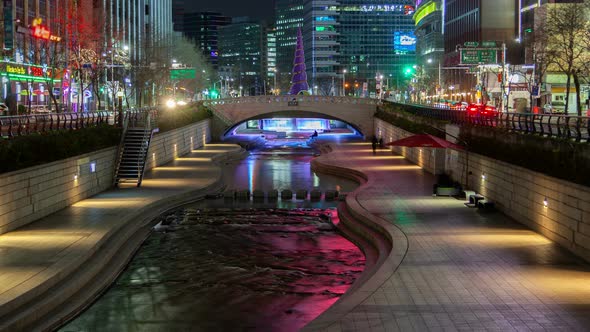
<point x="36" y="149"/>
<point x="399" y="120"/>
<point x="169" y="119"/>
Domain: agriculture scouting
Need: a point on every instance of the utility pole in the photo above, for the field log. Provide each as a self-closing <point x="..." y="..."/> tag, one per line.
<point x="504" y="72"/>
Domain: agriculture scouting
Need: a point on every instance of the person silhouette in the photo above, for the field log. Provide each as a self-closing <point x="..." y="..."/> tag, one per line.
<point x="374" y="144"/>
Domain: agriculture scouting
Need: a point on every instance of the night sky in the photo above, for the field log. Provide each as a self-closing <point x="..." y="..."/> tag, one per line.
<point x="261" y="9"/>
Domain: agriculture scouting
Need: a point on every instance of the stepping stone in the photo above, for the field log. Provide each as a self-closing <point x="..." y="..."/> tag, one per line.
<point x="274" y="194"/>
<point x="315" y="195"/>
<point x="286" y="194"/>
<point x="301" y="194"/>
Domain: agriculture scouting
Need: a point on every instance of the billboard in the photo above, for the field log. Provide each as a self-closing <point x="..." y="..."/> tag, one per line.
<point x="404" y="42"/>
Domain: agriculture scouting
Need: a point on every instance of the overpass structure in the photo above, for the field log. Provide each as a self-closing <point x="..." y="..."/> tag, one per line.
<point x="357" y="112"/>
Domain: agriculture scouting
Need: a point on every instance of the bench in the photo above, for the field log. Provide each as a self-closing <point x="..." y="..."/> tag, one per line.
<point x="485" y="205"/>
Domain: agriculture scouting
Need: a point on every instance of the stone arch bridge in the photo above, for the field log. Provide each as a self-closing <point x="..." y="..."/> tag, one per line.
<point x="357" y="112"/>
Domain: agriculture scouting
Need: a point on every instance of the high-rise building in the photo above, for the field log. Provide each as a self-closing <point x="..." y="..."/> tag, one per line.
<point x="270" y="60"/>
<point x="203" y="29"/>
<point x="376" y="39"/>
<point x="322" y="47"/>
<point x="488" y="24"/>
<point x="137" y="25"/>
<point x="241" y="53"/>
<point x="288" y="18"/>
<point x="429" y="33"/>
<point x="348" y="40"/>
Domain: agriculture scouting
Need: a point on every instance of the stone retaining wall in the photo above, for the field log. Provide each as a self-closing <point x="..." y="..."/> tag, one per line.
<point x="516" y="191"/>
<point x="36" y="192"/>
<point x="432" y="160"/>
<point x="175" y="143"/>
<point x="521" y="194"/>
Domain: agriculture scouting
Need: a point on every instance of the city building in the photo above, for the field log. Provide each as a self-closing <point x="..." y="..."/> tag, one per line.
<point x="377" y="44"/>
<point x="550" y="81"/>
<point x="241" y="53"/>
<point x="322" y="47"/>
<point x="429" y="32"/>
<point x="348" y="43"/>
<point x="270" y="59"/>
<point x="203" y="29"/>
<point x="289" y="16"/>
<point x="483" y="24"/>
<point x="24" y="70"/>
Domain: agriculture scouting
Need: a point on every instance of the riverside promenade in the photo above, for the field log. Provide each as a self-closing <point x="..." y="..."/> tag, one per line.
<point x="451" y="267"/>
<point x="55" y="265"/>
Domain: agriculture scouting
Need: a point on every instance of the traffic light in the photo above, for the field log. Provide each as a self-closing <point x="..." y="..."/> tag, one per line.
<point x="214" y="94"/>
<point x="409" y="70"/>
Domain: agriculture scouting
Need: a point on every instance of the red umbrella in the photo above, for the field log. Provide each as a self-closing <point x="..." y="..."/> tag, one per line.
<point x="425" y="141"/>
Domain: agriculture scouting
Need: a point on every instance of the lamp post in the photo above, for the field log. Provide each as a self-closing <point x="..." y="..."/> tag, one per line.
<point x="439" y="75"/>
<point x="274" y="89"/>
<point x="344" y="83"/>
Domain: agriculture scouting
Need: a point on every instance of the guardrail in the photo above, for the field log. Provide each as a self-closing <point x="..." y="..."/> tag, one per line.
<point x="292" y="100"/>
<point x="548" y="125"/>
<point x="11" y="126"/>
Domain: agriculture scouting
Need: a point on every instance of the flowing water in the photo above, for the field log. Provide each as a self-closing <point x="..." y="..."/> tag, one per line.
<point x="223" y="265"/>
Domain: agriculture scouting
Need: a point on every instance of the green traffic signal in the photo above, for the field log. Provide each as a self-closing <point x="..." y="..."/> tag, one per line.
<point x="214" y="94"/>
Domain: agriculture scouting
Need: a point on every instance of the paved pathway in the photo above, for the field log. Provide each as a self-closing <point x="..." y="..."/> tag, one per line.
<point x="463" y="270"/>
<point x="38" y="257"/>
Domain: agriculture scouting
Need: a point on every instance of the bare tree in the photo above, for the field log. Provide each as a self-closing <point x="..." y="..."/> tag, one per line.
<point x="567" y="31"/>
<point x="151" y="75"/>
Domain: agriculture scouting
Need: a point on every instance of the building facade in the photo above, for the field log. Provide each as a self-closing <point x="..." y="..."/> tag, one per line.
<point x="429" y="31"/>
<point x="241" y="53"/>
<point x="203" y="29"/>
<point x="377" y="43"/>
<point x="482" y="23"/>
<point x="289" y="16"/>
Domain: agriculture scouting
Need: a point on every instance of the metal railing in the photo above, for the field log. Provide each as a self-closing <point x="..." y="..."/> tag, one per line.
<point x="292" y="100"/>
<point x="22" y="125"/>
<point x="549" y="125"/>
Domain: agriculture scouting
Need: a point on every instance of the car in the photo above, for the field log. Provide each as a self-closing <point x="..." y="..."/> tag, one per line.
<point x="482" y="110"/>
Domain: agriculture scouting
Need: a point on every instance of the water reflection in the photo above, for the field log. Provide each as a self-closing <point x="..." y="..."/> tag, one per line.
<point x="227" y="265"/>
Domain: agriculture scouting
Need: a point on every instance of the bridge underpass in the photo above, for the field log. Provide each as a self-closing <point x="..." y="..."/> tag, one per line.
<point x="357" y="113"/>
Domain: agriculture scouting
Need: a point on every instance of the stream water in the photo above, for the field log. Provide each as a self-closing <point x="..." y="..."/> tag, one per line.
<point x="235" y="266"/>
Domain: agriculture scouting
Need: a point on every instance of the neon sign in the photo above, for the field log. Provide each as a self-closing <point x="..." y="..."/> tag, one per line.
<point x="40" y="31"/>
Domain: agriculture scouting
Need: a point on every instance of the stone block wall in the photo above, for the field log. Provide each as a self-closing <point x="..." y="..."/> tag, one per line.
<point x="175" y="143"/>
<point x="516" y="191"/>
<point x="521" y="194"/>
<point x="432" y="160"/>
<point x="29" y="194"/>
<point x="36" y="192"/>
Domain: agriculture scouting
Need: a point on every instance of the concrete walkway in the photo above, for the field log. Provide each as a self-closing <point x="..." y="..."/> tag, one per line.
<point x="53" y="265"/>
<point x="461" y="269"/>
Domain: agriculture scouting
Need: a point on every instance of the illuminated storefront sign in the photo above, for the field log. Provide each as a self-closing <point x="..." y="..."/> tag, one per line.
<point x="42" y="32"/>
<point x="424" y="11"/>
<point x="28" y="72"/>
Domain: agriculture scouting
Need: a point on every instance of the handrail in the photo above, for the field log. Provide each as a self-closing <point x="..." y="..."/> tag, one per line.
<point x="571" y="127"/>
<point x="22" y="125"/>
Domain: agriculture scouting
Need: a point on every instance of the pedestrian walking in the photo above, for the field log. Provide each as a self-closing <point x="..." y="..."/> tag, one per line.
<point x="374" y="144"/>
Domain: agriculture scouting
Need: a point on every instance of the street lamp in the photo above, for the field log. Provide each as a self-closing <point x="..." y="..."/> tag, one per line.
<point x="275" y="86"/>
<point x="315" y="89"/>
<point x="344" y="83"/>
<point x="439" y="74"/>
